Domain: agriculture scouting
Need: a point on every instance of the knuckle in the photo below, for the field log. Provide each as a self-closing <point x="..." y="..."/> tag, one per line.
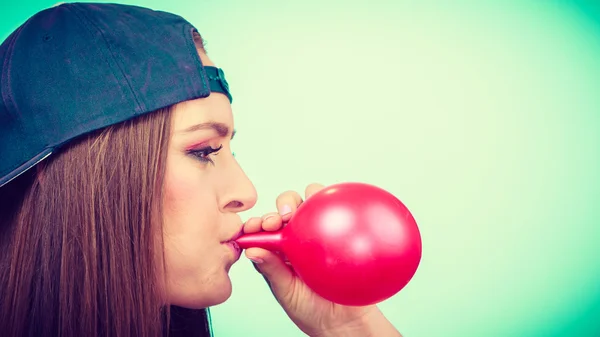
<point x="289" y="197"/>
<point x="269" y="215"/>
<point x="287" y="194"/>
<point x="311" y="188"/>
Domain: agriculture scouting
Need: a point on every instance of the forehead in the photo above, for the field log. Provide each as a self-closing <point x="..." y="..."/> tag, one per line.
<point x="205" y="59"/>
<point x="214" y="108"/>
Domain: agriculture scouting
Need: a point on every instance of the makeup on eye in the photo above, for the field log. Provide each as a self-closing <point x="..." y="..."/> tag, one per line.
<point x="222" y="136"/>
<point x="202" y="150"/>
<point x="203" y="153"/>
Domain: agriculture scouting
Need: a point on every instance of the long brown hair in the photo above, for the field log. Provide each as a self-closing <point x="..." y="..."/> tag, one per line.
<point x="80" y="235"/>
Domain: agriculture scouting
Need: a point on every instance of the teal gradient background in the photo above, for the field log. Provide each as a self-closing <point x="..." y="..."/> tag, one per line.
<point x="484" y="118"/>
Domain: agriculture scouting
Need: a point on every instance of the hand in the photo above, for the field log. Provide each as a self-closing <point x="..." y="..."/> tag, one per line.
<point x="313" y="314"/>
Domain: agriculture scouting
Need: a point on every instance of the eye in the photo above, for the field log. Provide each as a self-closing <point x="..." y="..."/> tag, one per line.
<point x="204" y="153"/>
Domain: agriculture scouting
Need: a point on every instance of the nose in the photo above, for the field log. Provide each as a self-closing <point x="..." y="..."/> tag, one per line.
<point x="239" y="193"/>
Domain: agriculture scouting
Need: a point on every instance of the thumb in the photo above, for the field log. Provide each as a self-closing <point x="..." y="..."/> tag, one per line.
<point x="278" y="275"/>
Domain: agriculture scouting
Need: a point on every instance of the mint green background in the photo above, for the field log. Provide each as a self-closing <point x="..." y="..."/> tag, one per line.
<point x="483" y="118"/>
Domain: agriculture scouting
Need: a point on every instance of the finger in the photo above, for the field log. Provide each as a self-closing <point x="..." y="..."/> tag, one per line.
<point x="283" y="257"/>
<point x="286" y="261"/>
<point x="277" y="273"/>
<point x="312" y="189"/>
<point x="271" y="222"/>
<point x="253" y="225"/>
<point x="287" y="203"/>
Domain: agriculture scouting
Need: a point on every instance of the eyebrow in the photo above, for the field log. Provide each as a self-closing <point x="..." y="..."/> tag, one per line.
<point x="221" y="129"/>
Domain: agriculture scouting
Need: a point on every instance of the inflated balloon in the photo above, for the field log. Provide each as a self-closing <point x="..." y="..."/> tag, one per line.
<point x="351" y="243"/>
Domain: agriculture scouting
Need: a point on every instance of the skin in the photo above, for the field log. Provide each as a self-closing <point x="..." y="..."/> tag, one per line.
<point x="201" y="205"/>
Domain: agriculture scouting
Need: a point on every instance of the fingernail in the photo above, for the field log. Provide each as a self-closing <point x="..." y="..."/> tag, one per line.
<point x="285" y="209"/>
<point x="256" y="260"/>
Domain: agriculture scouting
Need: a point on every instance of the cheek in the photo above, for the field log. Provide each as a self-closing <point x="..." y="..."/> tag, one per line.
<point x="185" y="188"/>
<point x="191" y="219"/>
<point x="178" y="192"/>
<point x="193" y="254"/>
<point x="189" y="203"/>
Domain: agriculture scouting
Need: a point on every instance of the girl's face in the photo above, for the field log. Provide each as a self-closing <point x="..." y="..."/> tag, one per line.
<point x="204" y="189"/>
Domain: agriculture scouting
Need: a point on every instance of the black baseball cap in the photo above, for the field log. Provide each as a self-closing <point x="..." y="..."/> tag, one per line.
<point x="79" y="67"/>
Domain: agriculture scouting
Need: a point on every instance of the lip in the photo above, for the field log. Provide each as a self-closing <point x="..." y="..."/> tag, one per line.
<point x="235" y="236"/>
<point x="231" y="244"/>
<point x="237" y="251"/>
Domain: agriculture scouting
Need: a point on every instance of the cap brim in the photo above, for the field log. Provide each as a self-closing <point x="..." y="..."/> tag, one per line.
<point x="25" y="167"/>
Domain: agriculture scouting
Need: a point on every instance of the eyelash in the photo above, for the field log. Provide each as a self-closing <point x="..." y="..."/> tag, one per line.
<point x="203" y="153"/>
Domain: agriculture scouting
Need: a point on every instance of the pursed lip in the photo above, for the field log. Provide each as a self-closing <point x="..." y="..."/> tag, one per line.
<point x="235" y="236"/>
<point x="237" y="251"/>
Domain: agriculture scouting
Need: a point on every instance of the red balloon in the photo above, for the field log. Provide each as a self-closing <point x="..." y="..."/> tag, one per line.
<point x="352" y="243"/>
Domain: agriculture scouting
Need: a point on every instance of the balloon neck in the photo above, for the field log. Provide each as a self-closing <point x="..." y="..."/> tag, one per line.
<point x="266" y="240"/>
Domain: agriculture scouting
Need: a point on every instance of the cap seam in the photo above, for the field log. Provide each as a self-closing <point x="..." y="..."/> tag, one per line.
<point x="12" y="108"/>
<point x="7" y="94"/>
<point x="189" y="38"/>
<point x="82" y="15"/>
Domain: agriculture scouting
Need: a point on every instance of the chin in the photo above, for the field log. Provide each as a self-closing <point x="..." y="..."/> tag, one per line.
<point x="201" y="295"/>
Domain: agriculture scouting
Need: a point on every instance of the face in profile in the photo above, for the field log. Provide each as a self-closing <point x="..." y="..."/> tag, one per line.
<point x="204" y="190"/>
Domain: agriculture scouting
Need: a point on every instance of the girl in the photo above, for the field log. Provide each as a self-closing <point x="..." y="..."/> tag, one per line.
<point x="119" y="195"/>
